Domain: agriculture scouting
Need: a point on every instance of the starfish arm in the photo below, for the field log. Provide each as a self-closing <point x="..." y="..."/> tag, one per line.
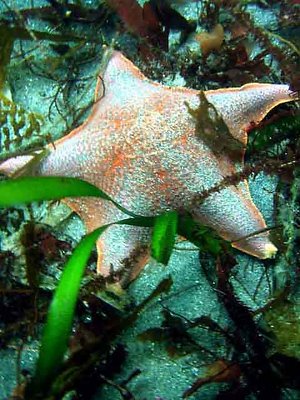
<point x="232" y="214"/>
<point x="248" y="105"/>
<point x="13" y="165"/>
<point x="117" y="72"/>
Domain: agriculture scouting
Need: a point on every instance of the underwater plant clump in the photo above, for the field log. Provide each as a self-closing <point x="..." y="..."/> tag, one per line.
<point x="283" y="321"/>
<point x="20" y="130"/>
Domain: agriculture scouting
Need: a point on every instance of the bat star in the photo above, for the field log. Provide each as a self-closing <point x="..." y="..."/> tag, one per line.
<point x="140" y="146"/>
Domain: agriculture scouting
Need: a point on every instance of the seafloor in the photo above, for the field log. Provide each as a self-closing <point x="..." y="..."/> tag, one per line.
<point x="194" y="328"/>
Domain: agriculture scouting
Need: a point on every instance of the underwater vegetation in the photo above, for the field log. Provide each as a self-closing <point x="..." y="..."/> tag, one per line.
<point x="225" y="326"/>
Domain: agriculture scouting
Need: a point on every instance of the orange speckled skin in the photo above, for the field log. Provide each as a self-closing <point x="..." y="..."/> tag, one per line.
<point x="140" y="146"/>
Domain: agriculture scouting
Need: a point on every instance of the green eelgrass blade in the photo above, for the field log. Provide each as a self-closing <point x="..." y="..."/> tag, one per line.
<point x="163" y="236"/>
<point x="61" y="311"/>
<point x="29" y="189"/>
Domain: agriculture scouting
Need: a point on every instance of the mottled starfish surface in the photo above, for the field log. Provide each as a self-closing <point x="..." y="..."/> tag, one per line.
<point x="140" y="146"/>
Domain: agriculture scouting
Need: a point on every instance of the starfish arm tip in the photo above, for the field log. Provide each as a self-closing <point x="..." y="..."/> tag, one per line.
<point x="270" y="251"/>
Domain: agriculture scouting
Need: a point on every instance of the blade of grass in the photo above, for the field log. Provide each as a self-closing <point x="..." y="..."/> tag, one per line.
<point x="61" y="311"/>
<point x="163" y="236"/>
<point x="29" y="189"/>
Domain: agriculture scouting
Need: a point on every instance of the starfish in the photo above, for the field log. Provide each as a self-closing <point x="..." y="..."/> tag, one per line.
<point x="140" y="146"/>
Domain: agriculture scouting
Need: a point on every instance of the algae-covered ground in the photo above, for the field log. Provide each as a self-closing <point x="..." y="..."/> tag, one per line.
<point x="209" y="327"/>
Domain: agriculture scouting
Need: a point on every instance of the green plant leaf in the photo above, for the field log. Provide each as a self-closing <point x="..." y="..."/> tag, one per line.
<point x="61" y="311"/>
<point x="163" y="236"/>
<point x="29" y="189"/>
